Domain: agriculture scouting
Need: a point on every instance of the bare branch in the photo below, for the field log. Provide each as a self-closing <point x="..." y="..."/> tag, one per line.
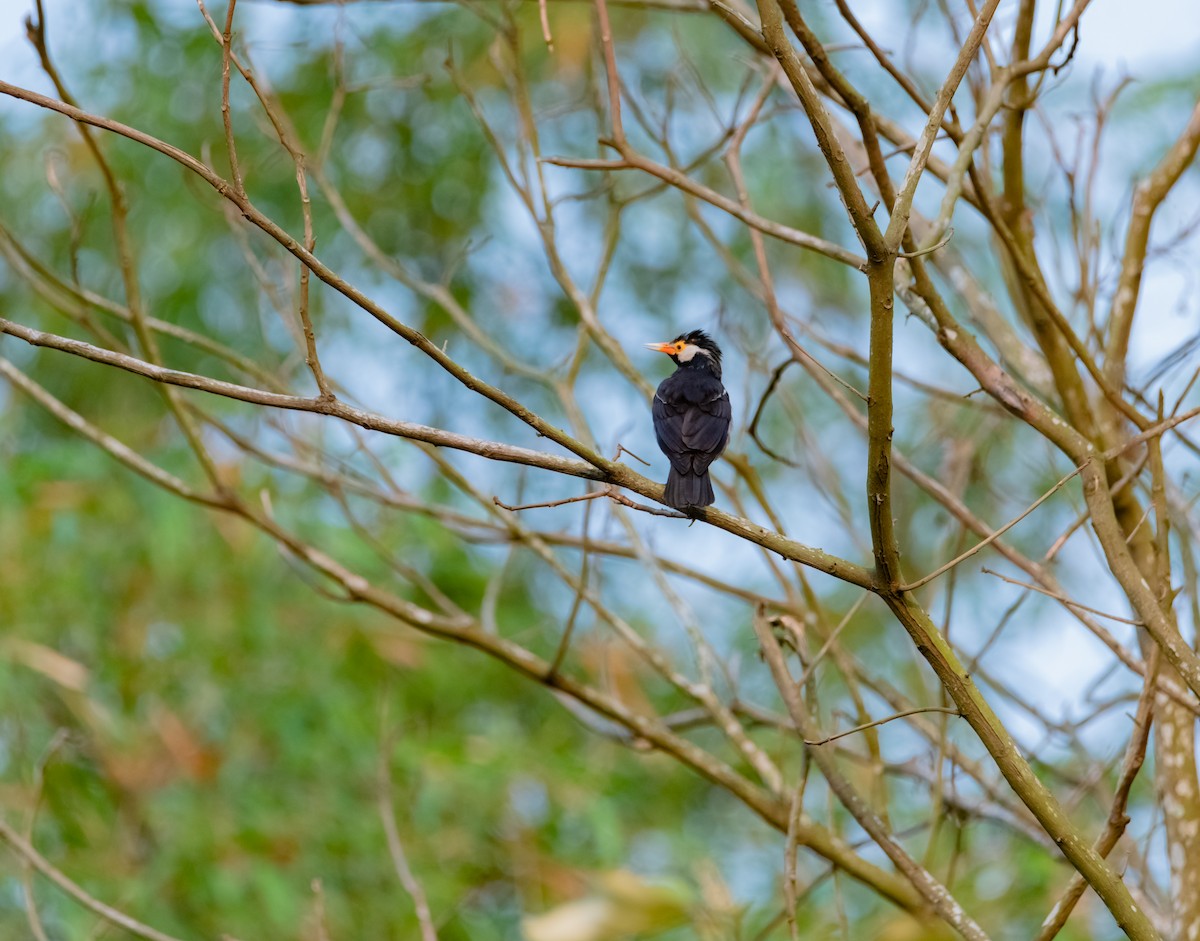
<point x="870" y="725"/>
<point x="1059" y="596"/>
<point x="1131" y="764"/>
<point x="404" y="872"/>
<point x="983" y="544"/>
<point x="931" y="890"/>
<point x="19" y="845"/>
<point x="631" y="160"/>
<point x="898" y="223"/>
<point x="1147" y="197"/>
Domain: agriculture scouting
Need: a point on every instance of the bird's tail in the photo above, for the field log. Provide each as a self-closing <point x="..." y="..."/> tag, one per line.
<point x="688" y="490"/>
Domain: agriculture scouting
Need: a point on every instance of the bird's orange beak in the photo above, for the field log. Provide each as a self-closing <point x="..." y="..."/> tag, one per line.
<point x="667" y="348"/>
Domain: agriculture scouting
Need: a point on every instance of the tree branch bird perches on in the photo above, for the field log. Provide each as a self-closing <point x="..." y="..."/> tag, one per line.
<point x="691" y="418"/>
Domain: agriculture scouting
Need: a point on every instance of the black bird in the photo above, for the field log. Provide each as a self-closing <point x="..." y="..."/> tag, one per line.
<point x="691" y="417"/>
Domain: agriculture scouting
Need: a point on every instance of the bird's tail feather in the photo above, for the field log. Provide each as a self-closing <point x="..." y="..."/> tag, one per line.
<point x="688" y="490"/>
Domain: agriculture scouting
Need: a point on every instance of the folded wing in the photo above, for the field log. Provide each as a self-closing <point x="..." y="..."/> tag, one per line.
<point x="706" y="430"/>
<point x="691" y="421"/>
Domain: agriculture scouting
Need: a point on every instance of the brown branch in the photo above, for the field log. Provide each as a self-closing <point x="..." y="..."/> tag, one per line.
<point x="334" y="408"/>
<point x="983" y="544"/>
<point x="618" y="474"/>
<point x="949" y="710"/>
<point x="632" y="160"/>
<point x="117" y="449"/>
<point x="859" y="211"/>
<point x="621" y="449"/>
<point x="593" y="495"/>
<point x="934" y="893"/>
<point x="617" y="497"/>
<point x="226" y="114"/>
<point x="898" y="224"/>
<point x="1118" y="819"/>
<point x="22" y="848"/>
<point x="1147" y="197"/>
<point x="1059" y="596"/>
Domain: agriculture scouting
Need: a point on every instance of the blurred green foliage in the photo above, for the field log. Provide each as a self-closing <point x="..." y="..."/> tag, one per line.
<point x="202" y="730"/>
<point x="206" y="729"/>
<point x="224" y="728"/>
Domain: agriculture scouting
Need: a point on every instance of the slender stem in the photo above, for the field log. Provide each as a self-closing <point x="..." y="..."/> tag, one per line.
<point x="1059" y="596"/>
<point x="19" y="845"/>
<point x="949" y="710"/>
<point x="235" y="172"/>
<point x="898" y="223"/>
<point x="984" y="543"/>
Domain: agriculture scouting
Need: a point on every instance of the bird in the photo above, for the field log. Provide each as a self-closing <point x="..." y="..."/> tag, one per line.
<point x="691" y="418"/>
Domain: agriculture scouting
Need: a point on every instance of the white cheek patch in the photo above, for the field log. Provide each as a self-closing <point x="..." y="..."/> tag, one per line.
<point x="689" y="350"/>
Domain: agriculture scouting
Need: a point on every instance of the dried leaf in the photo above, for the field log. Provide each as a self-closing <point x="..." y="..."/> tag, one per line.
<point x="68" y="673"/>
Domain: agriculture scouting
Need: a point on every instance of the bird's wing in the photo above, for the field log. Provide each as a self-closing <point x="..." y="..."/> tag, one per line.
<point x="692" y="414"/>
<point x="706" y="429"/>
<point x="668" y="429"/>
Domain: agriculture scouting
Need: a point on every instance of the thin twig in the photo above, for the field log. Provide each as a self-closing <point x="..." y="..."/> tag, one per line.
<point x="632" y="160"/>
<point x="930" y="249"/>
<point x="544" y="16"/>
<point x="19" y="845"/>
<point x="615" y="495"/>
<point x="830" y="640"/>
<point x="610" y="71"/>
<point x="320" y="922"/>
<point x="235" y="172"/>
<point x="105" y="442"/>
<point x="983" y="544"/>
<point x="621" y="449"/>
<point x="898" y="224"/>
<point x="795" y="815"/>
<point x="949" y="710"/>
<point x="1082" y="518"/>
<point x="564" y="642"/>
<point x="39" y="781"/>
<point x="387" y="814"/>
<point x="1059" y="596"/>
<point x="1118" y="819"/>
<point x="592" y="495"/>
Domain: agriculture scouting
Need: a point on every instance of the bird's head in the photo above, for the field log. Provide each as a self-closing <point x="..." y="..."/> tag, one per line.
<point x="685" y="347"/>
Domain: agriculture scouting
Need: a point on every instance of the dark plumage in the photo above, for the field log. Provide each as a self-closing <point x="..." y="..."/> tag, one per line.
<point x="691" y="418"/>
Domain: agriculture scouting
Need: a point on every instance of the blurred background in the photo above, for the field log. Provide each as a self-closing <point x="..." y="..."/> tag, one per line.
<point x="196" y="727"/>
